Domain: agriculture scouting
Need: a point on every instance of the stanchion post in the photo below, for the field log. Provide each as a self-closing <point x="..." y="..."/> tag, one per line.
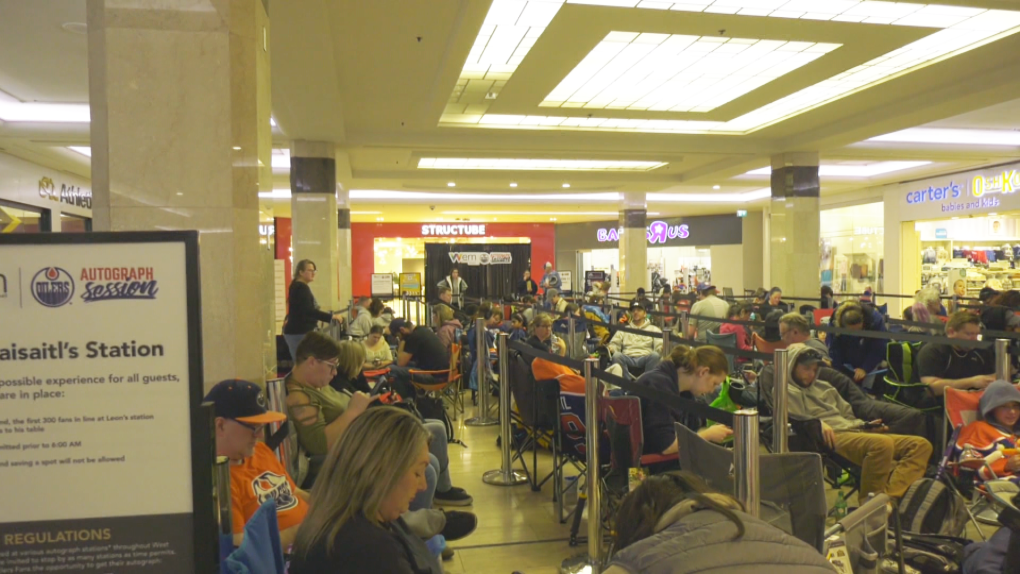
<point x="276" y="395"/>
<point x="571" y="332"/>
<point x="1002" y="359"/>
<point x="482" y="418"/>
<point x="350" y="313"/>
<point x="223" y="504"/>
<point x="746" y="477"/>
<point x="614" y="315"/>
<point x="685" y="321"/>
<point x="591" y="407"/>
<point x="779" y="412"/>
<point x="667" y="344"/>
<point x="432" y="316"/>
<point x="506" y="475"/>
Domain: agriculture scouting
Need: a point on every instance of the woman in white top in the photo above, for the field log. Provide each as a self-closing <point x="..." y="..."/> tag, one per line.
<point x="377" y="351"/>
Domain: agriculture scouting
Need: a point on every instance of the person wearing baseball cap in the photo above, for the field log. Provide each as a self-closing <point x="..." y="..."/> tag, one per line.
<point x="708" y="305"/>
<point x="256" y="474"/>
<point x="633" y="351"/>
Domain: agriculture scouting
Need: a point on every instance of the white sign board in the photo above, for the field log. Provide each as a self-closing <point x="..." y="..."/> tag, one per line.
<point x="474" y="258"/>
<point x="566" y="282"/>
<point x="100" y="385"/>
<point x="382" y="285"/>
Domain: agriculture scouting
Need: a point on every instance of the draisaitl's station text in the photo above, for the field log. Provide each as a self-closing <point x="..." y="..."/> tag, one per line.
<point x="93" y="350"/>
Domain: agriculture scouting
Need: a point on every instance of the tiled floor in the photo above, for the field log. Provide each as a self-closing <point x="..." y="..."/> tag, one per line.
<point x="517" y="528"/>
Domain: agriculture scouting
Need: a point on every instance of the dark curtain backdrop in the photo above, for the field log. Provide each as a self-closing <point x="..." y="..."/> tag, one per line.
<point x="487" y="281"/>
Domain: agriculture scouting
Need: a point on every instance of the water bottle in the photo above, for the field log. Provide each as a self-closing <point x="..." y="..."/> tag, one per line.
<point x="840" y="508"/>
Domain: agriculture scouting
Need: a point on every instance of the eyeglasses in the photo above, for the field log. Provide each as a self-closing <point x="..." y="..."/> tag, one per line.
<point x="332" y="366"/>
<point x="255" y="429"/>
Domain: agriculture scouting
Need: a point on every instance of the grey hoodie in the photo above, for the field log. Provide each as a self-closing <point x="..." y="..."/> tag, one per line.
<point x="997" y="394"/>
<point x="818" y="401"/>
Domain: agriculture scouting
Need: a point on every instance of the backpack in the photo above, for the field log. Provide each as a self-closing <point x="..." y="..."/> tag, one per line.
<point x="902" y="385"/>
<point x="432" y="408"/>
<point x="932" y="507"/>
<point x="933" y="554"/>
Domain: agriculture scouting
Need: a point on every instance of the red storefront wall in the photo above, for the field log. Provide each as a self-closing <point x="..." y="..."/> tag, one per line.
<point x="363" y="236"/>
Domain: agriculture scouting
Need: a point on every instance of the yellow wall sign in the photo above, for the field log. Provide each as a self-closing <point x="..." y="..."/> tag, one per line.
<point x="410" y="283"/>
<point x="1007" y="182"/>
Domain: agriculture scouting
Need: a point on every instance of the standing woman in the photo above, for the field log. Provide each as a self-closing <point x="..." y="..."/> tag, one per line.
<point x="527" y="286"/>
<point x="367" y="481"/>
<point x="303" y="314"/>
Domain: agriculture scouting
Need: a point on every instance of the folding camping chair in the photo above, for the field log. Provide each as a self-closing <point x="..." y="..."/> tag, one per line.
<point x="538" y="404"/>
<point x="792" y="488"/>
<point x="727" y="341"/>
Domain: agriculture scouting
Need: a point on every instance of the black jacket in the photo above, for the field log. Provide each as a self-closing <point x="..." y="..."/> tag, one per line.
<point x="656" y="418"/>
<point x="364" y="548"/>
<point x="303" y="315"/>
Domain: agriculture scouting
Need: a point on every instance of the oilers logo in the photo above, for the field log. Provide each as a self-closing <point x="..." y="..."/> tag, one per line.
<point x="52" y="287"/>
<point x="269" y="485"/>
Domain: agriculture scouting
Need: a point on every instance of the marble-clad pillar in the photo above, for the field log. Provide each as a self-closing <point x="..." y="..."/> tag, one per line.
<point x="795" y="224"/>
<point x="180" y="102"/>
<point x="313" y="208"/>
<point x="633" y="243"/>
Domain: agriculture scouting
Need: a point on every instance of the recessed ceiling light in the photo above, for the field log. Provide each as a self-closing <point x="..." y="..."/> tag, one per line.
<point x="379" y="219"/>
<point x="519" y="164"/>
<point x="850" y="170"/>
<point x="237" y="148"/>
<point x="953" y="136"/>
<point x="715" y="187"/>
<point x="566" y="185"/>
<point x="993" y="213"/>
<point x="451" y="184"/>
<point x="552" y="219"/>
<point x="513" y="184"/>
<point x="512" y="27"/>
<point x="180" y="193"/>
<point x="83" y="150"/>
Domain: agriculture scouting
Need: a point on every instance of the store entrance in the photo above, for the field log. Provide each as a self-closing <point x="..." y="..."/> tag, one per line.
<point x="960" y="256"/>
<point x="487" y="276"/>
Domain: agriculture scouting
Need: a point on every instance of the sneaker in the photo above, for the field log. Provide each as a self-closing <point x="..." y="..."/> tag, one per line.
<point x="458" y="524"/>
<point x="453" y="497"/>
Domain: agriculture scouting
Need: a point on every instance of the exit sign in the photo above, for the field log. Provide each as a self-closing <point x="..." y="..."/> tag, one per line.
<point x="741" y="213"/>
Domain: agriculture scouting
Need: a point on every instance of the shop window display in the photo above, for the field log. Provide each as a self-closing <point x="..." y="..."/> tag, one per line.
<point x="961" y="256"/>
<point x="852" y="247"/>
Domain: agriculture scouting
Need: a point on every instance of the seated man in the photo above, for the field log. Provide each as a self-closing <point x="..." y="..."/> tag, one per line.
<point x="994" y="435"/>
<point x="556" y="302"/>
<point x="362" y="324"/>
<point x="943" y="365"/>
<point x="638" y="351"/>
<point x="851" y="354"/>
<point x="421" y="349"/>
<point x="794" y="328"/>
<point x="256" y="475"/>
<point x="890" y="463"/>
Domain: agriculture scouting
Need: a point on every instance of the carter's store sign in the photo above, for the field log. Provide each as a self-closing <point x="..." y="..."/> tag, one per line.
<point x="984" y="192"/>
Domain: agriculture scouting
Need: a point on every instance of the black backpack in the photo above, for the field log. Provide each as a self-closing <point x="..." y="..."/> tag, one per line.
<point x="933" y="554"/>
<point x="932" y="507"/>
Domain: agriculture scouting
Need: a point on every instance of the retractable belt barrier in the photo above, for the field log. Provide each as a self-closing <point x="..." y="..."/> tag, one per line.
<point x="681" y="404"/>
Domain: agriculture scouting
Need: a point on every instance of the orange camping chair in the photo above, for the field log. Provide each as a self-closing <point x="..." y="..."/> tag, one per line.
<point x="447" y="376"/>
<point x="763" y="346"/>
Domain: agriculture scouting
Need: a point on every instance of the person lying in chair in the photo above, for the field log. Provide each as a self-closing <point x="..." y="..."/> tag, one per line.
<point x="994" y="434"/>
<point x="890" y="463"/>
<point x="637" y="351"/>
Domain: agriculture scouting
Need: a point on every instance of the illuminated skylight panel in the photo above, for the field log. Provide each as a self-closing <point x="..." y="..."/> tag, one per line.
<point x="507" y="35"/>
<point x="517" y="164"/>
<point x="953" y="137"/>
<point x="677" y="73"/>
<point x="855" y="170"/>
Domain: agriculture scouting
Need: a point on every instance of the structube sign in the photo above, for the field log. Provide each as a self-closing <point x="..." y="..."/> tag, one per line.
<point x="100" y="384"/>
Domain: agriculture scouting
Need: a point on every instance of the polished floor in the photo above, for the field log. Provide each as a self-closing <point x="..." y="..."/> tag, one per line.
<point x="517" y="528"/>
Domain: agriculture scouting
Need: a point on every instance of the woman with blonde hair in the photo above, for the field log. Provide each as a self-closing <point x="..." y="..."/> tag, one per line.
<point x="368" y="480"/>
<point x="348" y="369"/>
<point x="673" y="524"/>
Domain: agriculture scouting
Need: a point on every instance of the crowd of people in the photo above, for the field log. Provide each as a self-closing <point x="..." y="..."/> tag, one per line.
<point x="374" y="491"/>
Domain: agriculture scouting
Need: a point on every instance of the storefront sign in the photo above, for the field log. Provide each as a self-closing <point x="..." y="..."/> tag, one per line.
<point x="67" y="194"/>
<point x="657" y="232"/>
<point x="868" y="231"/>
<point x="1007" y="182"/>
<point x="103" y="441"/>
<point x="566" y="282"/>
<point x="480" y="258"/>
<point x="942" y="233"/>
<point x="453" y="230"/>
<point x="382" y="285"/>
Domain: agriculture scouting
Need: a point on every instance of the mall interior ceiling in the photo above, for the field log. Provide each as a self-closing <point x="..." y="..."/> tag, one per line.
<point x="525" y="109"/>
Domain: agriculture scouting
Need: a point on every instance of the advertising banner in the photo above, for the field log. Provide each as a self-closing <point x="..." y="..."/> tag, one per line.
<point x="382" y="285"/>
<point x="481" y="258"/>
<point x="593" y="277"/>
<point x="566" y="282"/>
<point x="410" y="283"/>
<point x="103" y="451"/>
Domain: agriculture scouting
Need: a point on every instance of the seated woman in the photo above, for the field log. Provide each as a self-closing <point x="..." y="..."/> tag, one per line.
<point x="542" y="337"/>
<point x="994" y="435"/>
<point x="673" y="524"/>
<point x="348" y="378"/>
<point x="378" y="354"/>
<point x="321" y="415"/>
<point x="366" y="483"/>
<point x="449" y="325"/>
<point x="687" y="372"/>
<point x="738" y="312"/>
<point x="853" y="355"/>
